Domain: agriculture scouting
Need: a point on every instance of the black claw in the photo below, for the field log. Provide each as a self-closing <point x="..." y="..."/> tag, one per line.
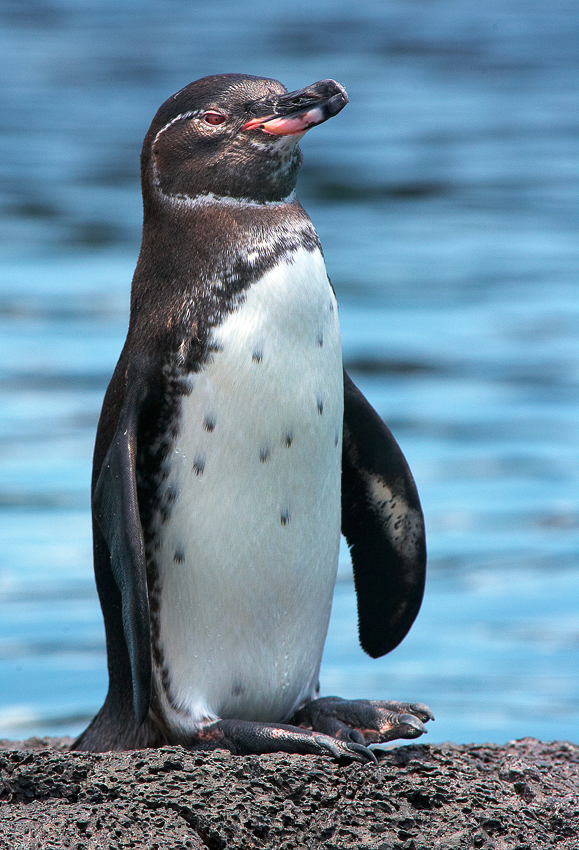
<point x="413" y="722"/>
<point x="422" y="711"/>
<point x="356" y="737"/>
<point x="342" y="750"/>
<point x="364" y="751"/>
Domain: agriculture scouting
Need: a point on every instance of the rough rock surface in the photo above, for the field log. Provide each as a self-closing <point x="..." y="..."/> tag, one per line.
<point x="523" y="796"/>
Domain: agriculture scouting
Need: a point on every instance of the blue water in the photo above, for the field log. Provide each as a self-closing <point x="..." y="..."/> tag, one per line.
<point x="445" y="196"/>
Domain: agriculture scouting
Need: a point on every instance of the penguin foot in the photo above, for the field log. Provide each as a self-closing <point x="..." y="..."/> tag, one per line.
<point x="248" y="737"/>
<point x="370" y="723"/>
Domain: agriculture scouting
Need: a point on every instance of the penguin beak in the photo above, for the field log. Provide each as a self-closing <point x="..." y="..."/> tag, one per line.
<point x="295" y="112"/>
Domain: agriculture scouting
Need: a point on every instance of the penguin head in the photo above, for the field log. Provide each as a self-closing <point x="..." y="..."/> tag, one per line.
<point x="233" y="136"/>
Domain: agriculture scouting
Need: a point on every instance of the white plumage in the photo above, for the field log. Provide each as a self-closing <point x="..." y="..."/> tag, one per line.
<point x="248" y="556"/>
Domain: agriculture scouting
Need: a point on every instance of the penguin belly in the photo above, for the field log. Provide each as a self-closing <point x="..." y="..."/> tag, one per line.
<point x="247" y="554"/>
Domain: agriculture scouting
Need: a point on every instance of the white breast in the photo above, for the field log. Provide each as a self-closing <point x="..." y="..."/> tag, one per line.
<point x="248" y="555"/>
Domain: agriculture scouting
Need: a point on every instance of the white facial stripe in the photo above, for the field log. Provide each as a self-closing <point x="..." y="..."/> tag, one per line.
<point x="183" y="116"/>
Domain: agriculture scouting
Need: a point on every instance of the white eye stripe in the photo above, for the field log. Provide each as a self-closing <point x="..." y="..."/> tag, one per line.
<point x="193" y="113"/>
<point x="181" y="117"/>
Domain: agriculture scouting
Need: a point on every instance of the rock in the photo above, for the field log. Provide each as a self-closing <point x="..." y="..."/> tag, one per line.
<point x="522" y="796"/>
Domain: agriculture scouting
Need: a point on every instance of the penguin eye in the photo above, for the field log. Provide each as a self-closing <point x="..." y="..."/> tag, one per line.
<point x="214" y="118"/>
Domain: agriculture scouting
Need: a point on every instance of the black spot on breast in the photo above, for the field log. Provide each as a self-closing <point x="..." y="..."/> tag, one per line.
<point x="336" y="438"/>
<point x="209" y="422"/>
<point x="287" y="440"/>
<point x="237" y="689"/>
<point x="199" y="465"/>
<point x="320" y="339"/>
<point x="213" y="349"/>
<point x="284" y="517"/>
<point x="179" y="556"/>
<point x="320" y="404"/>
<point x="257" y="355"/>
<point x="264" y="454"/>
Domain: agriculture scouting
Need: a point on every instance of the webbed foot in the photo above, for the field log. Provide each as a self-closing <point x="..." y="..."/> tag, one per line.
<point x="371" y="723"/>
<point x="248" y="737"/>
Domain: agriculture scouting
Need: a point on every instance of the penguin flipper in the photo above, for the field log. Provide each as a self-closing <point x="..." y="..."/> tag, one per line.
<point x="116" y="510"/>
<point x="383" y="524"/>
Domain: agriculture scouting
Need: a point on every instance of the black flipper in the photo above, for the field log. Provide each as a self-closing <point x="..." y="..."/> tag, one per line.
<point x="116" y="510"/>
<point x="383" y="524"/>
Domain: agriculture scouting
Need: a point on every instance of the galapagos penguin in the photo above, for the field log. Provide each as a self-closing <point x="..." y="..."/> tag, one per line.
<point x="232" y="449"/>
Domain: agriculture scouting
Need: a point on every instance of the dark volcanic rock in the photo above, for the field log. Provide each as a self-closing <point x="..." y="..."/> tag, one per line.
<point x="524" y="796"/>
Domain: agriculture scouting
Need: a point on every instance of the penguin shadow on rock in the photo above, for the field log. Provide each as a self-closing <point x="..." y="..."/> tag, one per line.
<point x="233" y="449"/>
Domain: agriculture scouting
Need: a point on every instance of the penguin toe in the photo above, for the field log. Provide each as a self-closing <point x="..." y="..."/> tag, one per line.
<point x="345" y="750"/>
<point x="422" y="711"/>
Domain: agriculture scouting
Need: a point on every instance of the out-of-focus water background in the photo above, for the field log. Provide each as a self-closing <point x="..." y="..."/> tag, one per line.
<point x="445" y="196"/>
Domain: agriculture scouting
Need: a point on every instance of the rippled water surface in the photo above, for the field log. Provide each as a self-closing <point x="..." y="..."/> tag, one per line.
<point x="445" y="196"/>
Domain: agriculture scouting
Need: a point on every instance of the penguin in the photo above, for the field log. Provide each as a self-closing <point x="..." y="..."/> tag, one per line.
<point x="232" y="450"/>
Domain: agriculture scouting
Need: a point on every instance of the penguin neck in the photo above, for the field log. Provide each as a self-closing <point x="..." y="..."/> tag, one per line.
<point x="220" y="218"/>
<point x="197" y="258"/>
